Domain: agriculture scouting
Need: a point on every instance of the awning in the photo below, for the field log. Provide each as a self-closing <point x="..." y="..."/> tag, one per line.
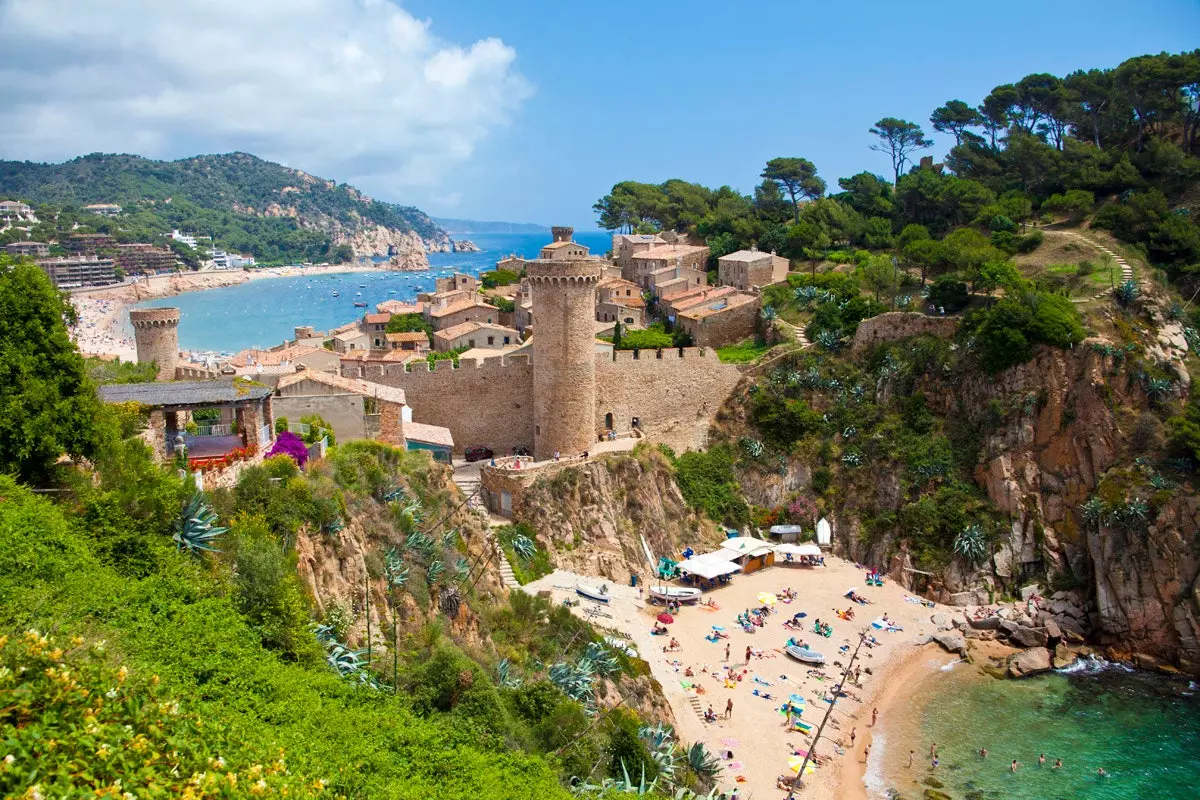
<point x="798" y="549"/>
<point x="746" y="546"/>
<point x="708" y="567"/>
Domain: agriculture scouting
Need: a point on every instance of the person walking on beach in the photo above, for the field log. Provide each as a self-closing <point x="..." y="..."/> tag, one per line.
<point x="727" y="651"/>
<point x="729" y="708"/>
<point x="933" y="750"/>
<point x="853" y="733"/>
<point x="857" y="671"/>
<point x="874" y="716"/>
<point x="748" y="652"/>
<point x="911" y="755"/>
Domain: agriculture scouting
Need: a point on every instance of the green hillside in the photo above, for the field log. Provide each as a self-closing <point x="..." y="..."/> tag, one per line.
<point x="250" y="205"/>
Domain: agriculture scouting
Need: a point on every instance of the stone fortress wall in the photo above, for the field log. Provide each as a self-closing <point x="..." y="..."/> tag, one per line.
<point x="673" y="393"/>
<point x="896" y="325"/>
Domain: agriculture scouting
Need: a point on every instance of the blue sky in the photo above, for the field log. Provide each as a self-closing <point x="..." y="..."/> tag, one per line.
<point x="529" y="111"/>
<point x="708" y="91"/>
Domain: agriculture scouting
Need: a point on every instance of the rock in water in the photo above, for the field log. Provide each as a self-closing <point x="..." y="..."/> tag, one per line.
<point x="1063" y="657"/>
<point x="1029" y="662"/>
<point x="952" y="641"/>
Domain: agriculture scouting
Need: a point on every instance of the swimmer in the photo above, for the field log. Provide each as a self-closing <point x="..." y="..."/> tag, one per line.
<point x="1100" y="773"/>
<point x="983" y="752"/>
<point x="1058" y="763"/>
<point x="1014" y="765"/>
<point x="1041" y="759"/>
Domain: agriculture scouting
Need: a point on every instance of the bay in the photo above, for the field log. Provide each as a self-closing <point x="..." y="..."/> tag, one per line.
<point x="263" y="313"/>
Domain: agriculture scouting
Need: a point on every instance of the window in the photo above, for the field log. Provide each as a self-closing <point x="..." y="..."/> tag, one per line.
<point x="629" y="320"/>
<point x="470" y="342"/>
<point x="491" y="340"/>
<point x="506" y="340"/>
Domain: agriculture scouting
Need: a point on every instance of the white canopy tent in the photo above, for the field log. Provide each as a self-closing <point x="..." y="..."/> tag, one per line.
<point x="746" y="546"/>
<point x="708" y="566"/>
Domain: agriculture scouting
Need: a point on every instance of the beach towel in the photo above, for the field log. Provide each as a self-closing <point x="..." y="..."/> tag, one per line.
<point x="761" y="682"/>
<point x="763" y="695"/>
<point x="730" y="742"/>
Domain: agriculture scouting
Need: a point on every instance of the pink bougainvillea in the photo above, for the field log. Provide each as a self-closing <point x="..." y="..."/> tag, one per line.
<point x="802" y="510"/>
<point x="289" y="444"/>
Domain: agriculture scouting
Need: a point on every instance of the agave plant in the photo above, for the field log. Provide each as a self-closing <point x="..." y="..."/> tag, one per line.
<point x="858" y="393"/>
<point x="1127" y="293"/>
<point x="852" y="459"/>
<point x="1158" y="388"/>
<point x="409" y="515"/>
<point x="811" y="378"/>
<point x="703" y="763"/>
<point x="393" y="493"/>
<point x="602" y="660"/>
<point x="805" y="294"/>
<point x="971" y="544"/>
<point x="849" y="432"/>
<point x="335" y="525"/>
<point x="394" y="570"/>
<point x="829" y="339"/>
<point x="418" y="542"/>
<point x="450" y="601"/>
<point x="1159" y="482"/>
<point x="1131" y="515"/>
<point x="434" y="571"/>
<point x="1192" y="337"/>
<point x="462" y="568"/>
<point x="627" y="786"/>
<point x="450" y="538"/>
<point x="1092" y="511"/>
<point x="1181" y="465"/>
<point x="505" y="676"/>
<point x="753" y="447"/>
<point x="523" y="546"/>
<point x="768" y="314"/>
<point x="575" y="681"/>
<point x="196" y="530"/>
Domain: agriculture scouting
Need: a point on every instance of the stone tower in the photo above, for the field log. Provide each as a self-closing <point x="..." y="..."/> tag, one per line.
<point x="564" y="355"/>
<point x="156" y="332"/>
<point x="562" y="233"/>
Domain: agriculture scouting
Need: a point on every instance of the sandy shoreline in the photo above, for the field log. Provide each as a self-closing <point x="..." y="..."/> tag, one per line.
<point x="760" y="743"/>
<point x="101" y="311"/>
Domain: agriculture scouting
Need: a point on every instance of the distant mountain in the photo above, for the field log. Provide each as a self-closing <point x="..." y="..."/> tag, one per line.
<point x="250" y="205"/>
<point x="457" y="226"/>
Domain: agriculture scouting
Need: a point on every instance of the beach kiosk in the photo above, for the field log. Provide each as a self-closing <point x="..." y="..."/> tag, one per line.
<point x="749" y="553"/>
<point x="806" y="555"/>
<point x="708" y="567"/>
<point x="786" y="533"/>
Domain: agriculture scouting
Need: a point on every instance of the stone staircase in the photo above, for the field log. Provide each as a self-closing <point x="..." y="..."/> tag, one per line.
<point x="694" y="702"/>
<point x="797" y="334"/>
<point x="506" y="574"/>
<point x="1126" y="269"/>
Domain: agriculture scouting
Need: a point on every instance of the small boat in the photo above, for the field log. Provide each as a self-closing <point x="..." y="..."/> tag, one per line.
<point x="592" y="593"/>
<point x="804" y="654"/>
<point x="680" y="594"/>
<point x="360" y="305"/>
<point x="335" y="294"/>
<point x="362" y="286"/>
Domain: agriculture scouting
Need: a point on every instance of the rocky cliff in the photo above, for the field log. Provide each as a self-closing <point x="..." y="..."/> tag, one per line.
<point x="590" y="517"/>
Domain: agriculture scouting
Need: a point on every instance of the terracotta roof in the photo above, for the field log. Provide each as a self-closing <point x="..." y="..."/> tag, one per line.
<point x="427" y="434"/>
<point x="694" y="297"/>
<point x="392" y="394"/>
<point x="378" y="319"/>
<point x="628" y="302"/>
<point x="390" y="356"/>
<point x="183" y="393"/>
<point x="461" y="305"/>
<point x="745" y="255"/>
<point x="465" y="328"/>
<point x="610" y="282"/>
<point x="560" y="245"/>
<point x="407" y="336"/>
<point x="669" y="251"/>
<point x="398" y="307"/>
<point x="723" y="304"/>
<point x="251" y="356"/>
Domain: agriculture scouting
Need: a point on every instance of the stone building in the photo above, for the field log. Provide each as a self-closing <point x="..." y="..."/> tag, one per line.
<point x="289" y="357"/>
<point x="14" y="210"/>
<point x="456" y="312"/>
<point x="670" y="268"/>
<point x="349" y="341"/>
<point x="104" y="209"/>
<point x="626" y="245"/>
<point x="720" y="321"/>
<point x="156" y="336"/>
<point x="563" y="247"/>
<point x="751" y="269"/>
<point x="416" y="342"/>
<point x="619" y="300"/>
<point x="354" y="409"/>
<point x="475" y="334"/>
<point x="458" y="282"/>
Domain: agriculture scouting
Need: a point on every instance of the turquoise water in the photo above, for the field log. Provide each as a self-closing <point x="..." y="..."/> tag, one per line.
<point x="263" y="313"/>
<point x="1140" y="728"/>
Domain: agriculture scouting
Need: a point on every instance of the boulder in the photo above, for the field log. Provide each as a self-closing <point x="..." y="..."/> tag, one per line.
<point x="942" y="622"/>
<point x="1029" y="591"/>
<point x="1063" y="657"/>
<point x="970" y="633"/>
<point x="1033" y="661"/>
<point x="1008" y="627"/>
<point x="1052" y="629"/>
<point x="962" y="599"/>
<point x="985" y="624"/>
<point x="1072" y="631"/>
<point x="1029" y="637"/>
<point x="952" y="642"/>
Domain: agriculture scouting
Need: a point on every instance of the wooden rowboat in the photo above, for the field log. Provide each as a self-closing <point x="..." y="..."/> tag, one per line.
<point x="680" y="594"/>
<point x="592" y="593"/>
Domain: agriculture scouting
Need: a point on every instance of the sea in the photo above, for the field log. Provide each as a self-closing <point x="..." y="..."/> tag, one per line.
<point x="262" y="313"/>
<point x="1142" y="729"/>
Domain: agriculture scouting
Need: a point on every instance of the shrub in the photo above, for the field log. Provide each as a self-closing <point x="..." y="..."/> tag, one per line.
<point x="405" y="323"/>
<point x="708" y="484"/>
<point x="1006" y="241"/>
<point x="821" y="478"/>
<point x="645" y="340"/>
<point x="1008" y="330"/>
<point x="290" y="445"/>
<point x="498" y="277"/>
<point x="781" y="420"/>
<point x="1030" y="242"/>
<point x="950" y="293"/>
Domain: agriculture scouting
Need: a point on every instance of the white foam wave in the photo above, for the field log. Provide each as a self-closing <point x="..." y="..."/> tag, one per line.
<point x="873" y="777"/>
<point x="1093" y="665"/>
<point x="951" y="665"/>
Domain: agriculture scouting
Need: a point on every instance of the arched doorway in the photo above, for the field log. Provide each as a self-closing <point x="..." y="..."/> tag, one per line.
<point x="608" y="421"/>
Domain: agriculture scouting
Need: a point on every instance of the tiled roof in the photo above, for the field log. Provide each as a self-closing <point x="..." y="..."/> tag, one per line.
<point x="723" y="304"/>
<point x="407" y="336"/>
<point x="378" y="319"/>
<point x="460" y="305"/>
<point x="183" y="393"/>
<point x="669" y="251"/>
<point x="398" y="307"/>
<point x="560" y="245"/>
<point x="391" y="394"/>
<point x="465" y="328"/>
<point x="268" y="358"/>
<point x="745" y="255"/>
<point x="427" y="434"/>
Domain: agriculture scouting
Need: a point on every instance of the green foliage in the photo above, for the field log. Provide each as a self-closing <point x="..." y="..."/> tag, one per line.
<point x="195" y="531"/>
<point x="782" y="420"/>
<point x="1007" y="331"/>
<point x="1185" y="431"/>
<point x="318" y="428"/>
<point x="102" y="371"/>
<point x="528" y="561"/>
<point x="499" y="277"/>
<point x="950" y="293"/>
<point x="708" y="484"/>
<point x="207" y="194"/>
<point x="742" y="352"/>
<point x="404" y="323"/>
<point x="48" y="406"/>
<point x="502" y="303"/>
<point x="644" y="339"/>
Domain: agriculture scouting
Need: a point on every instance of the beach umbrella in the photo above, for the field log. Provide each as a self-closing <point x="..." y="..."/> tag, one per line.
<point x="767" y="599"/>
<point x="795" y="762"/>
<point x="665" y="618"/>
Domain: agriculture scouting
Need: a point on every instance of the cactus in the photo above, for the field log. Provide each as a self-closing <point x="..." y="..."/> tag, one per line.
<point x="195" y="531"/>
<point x="1127" y="293"/>
<point x="971" y="544"/>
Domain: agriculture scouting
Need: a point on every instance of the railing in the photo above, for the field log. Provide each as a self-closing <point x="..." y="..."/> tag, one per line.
<point x="265" y="435"/>
<point x="224" y="429"/>
<point x="299" y="428"/>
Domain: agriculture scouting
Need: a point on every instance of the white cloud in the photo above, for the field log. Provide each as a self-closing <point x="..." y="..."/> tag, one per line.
<point x="358" y="90"/>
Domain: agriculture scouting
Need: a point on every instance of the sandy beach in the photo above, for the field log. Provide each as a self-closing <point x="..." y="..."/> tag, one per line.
<point x="101" y="311"/>
<point x="755" y="732"/>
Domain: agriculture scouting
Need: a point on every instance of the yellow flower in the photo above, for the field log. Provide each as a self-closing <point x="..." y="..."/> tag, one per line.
<point x="259" y="788"/>
<point x="3" y="640"/>
<point x="56" y="654"/>
<point x="102" y="751"/>
<point x="122" y="673"/>
<point x="76" y="641"/>
<point x="231" y="778"/>
<point x="154" y="679"/>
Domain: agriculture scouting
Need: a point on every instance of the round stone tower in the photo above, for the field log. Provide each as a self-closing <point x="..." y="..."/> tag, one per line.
<point x="564" y="355"/>
<point x="562" y="233"/>
<point x="156" y="332"/>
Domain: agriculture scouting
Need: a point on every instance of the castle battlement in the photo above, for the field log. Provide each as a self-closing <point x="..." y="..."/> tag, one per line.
<point x="706" y="354"/>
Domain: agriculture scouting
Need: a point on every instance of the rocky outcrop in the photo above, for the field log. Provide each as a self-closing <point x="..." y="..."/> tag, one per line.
<point x="409" y="261"/>
<point x="590" y="517"/>
<point x="897" y="325"/>
<point x="1029" y="662"/>
<point x="464" y="246"/>
<point x="951" y="641"/>
<point x="377" y="240"/>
